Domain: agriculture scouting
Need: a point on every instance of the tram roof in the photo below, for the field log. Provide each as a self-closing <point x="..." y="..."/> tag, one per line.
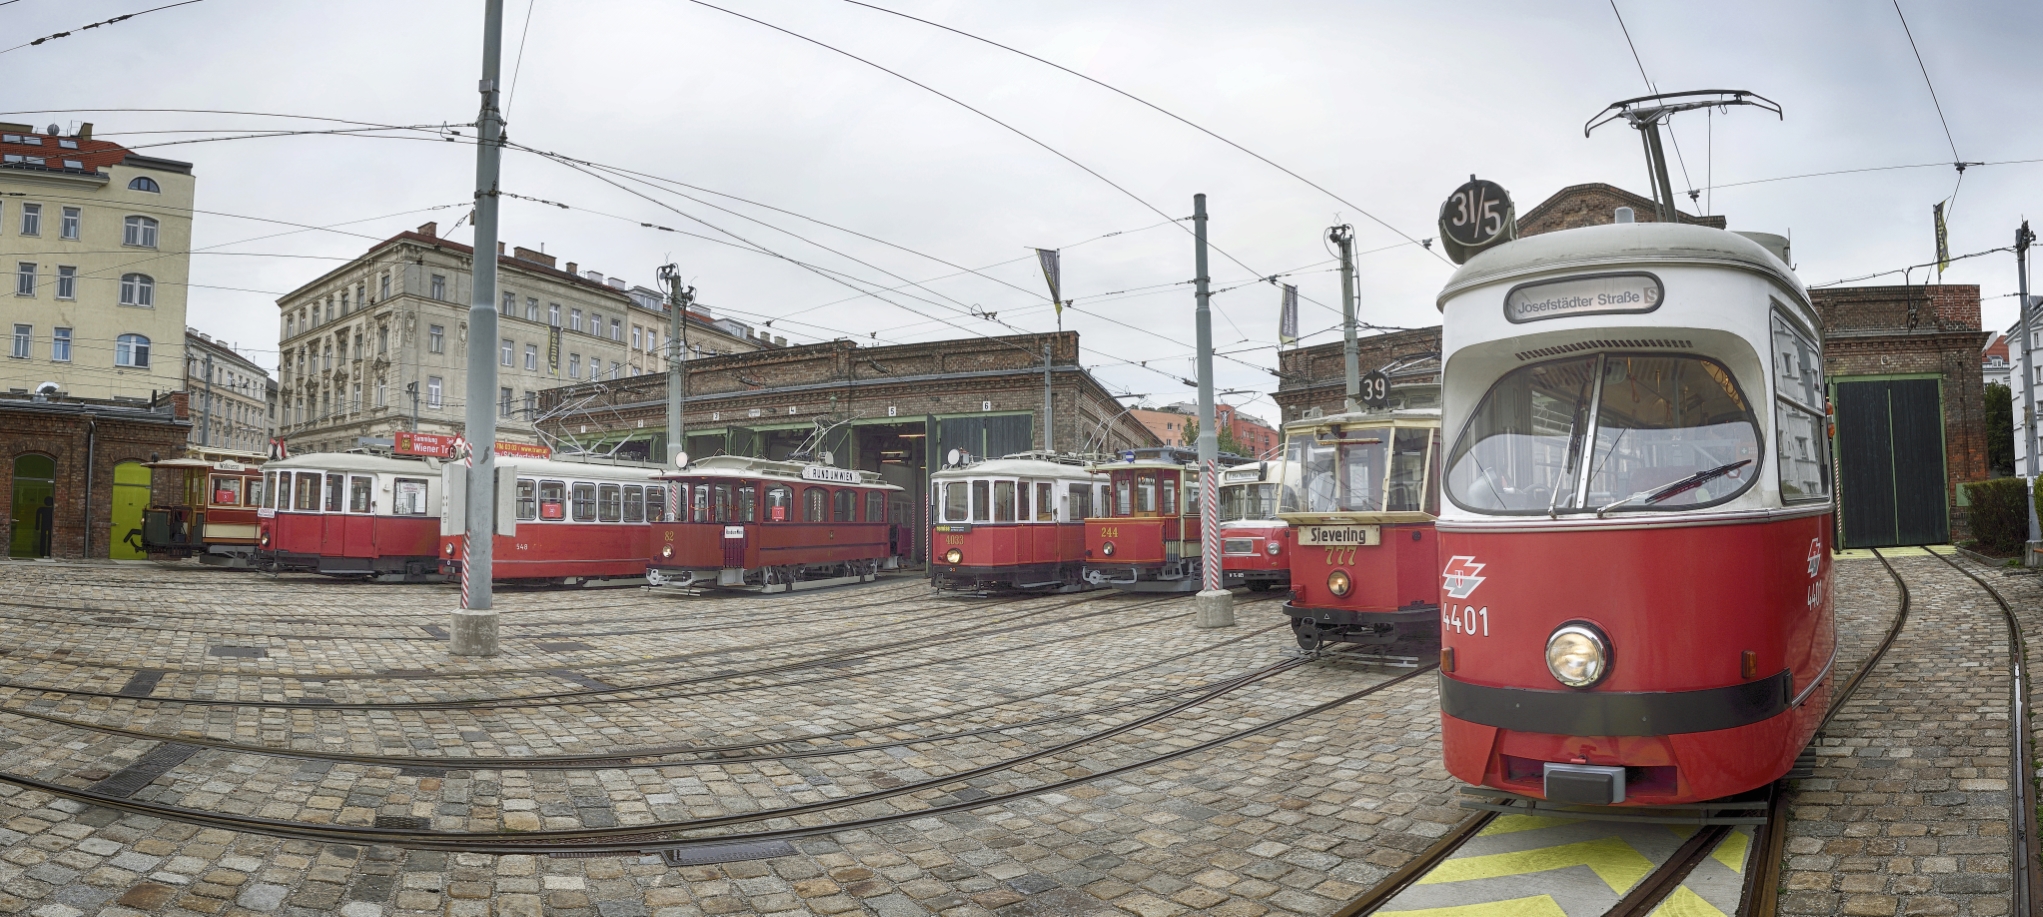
<point x="1015" y="468"/>
<point x="1407" y="416"/>
<point x="351" y="461"/>
<point x="1616" y="244"/>
<point x="745" y="466"/>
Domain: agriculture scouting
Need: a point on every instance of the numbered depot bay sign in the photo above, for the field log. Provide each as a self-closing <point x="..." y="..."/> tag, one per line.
<point x="1594" y="294"/>
<point x="1375" y="389"/>
<point x="1476" y="216"/>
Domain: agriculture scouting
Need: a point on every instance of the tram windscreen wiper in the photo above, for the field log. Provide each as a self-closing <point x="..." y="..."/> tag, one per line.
<point x="1682" y="486"/>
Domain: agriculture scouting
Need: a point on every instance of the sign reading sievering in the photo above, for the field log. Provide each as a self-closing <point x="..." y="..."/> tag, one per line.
<point x="1340" y="535"/>
<point x="1596" y="294"/>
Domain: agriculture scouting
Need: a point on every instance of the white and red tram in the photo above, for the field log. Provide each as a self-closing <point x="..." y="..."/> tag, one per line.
<point x="351" y="514"/>
<point x="764" y="525"/>
<point x="560" y="522"/>
<point x="1013" y="524"/>
<point x="1252" y="538"/>
<point x="1636" y="541"/>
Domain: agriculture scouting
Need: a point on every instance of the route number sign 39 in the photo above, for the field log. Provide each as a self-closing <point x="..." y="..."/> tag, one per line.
<point x="1476" y="216"/>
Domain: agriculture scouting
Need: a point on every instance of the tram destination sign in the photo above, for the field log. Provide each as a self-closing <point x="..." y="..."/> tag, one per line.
<point x="1340" y="536"/>
<point x="1595" y="294"/>
<point x="826" y="473"/>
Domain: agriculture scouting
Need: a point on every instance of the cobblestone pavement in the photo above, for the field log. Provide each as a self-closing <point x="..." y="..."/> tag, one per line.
<point x="1908" y="811"/>
<point x="868" y="696"/>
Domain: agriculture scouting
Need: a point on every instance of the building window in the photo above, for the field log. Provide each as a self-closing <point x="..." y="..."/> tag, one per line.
<point x="504" y="402"/>
<point x="31" y="219"/>
<point x="531" y="309"/>
<point x="60" y="345"/>
<point x="574" y="366"/>
<point x="345" y="306"/>
<point x="531" y="402"/>
<point x="138" y="290"/>
<point x="145" y="183"/>
<point x="433" y="392"/>
<point x="24" y="278"/>
<point x="24" y="338"/>
<point x="613" y="369"/>
<point x="385" y="294"/>
<point x="382" y="339"/>
<point x="553" y="314"/>
<point x="67" y="282"/>
<point x="634" y="337"/>
<point x="439" y="287"/>
<point x="131" y="350"/>
<point x="140" y="231"/>
<point x="575" y="320"/>
<point x="382" y="393"/>
<point x="436" y="338"/>
<point x="68" y="229"/>
<point x="616" y="330"/>
<point x="510" y="307"/>
<point x="532" y="357"/>
<point x="505" y="351"/>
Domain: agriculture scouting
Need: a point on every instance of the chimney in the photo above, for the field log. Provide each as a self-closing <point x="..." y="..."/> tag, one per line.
<point x="618" y="283"/>
<point x="525" y="254"/>
<point x="571" y="266"/>
<point x="779" y="341"/>
<point x="596" y="276"/>
<point x="500" y="249"/>
<point x="430" y="229"/>
<point x="85" y="131"/>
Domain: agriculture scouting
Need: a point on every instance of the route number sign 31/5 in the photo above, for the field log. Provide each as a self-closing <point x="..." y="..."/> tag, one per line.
<point x="1476" y="216"/>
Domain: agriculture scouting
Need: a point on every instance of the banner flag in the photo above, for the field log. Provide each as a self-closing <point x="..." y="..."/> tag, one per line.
<point x="1052" y="274"/>
<point x="553" y="350"/>
<point x="1943" y="241"/>
<point x="1287" y="322"/>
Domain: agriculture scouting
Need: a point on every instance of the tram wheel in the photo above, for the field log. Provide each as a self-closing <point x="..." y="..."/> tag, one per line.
<point x="1261" y="585"/>
<point x="1308" y="635"/>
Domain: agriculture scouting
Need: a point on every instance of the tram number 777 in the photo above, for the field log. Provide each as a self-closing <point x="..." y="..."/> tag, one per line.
<point x="1340" y="555"/>
<point x="1464" y="619"/>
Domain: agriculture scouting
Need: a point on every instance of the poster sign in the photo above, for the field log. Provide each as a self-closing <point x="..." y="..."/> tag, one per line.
<point x="523" y="450"/>
<point x="430" y="444"/>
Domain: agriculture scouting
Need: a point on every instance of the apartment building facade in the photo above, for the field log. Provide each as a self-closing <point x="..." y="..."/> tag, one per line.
<point x="232" y="399"/>
<point x="96" y="240"/>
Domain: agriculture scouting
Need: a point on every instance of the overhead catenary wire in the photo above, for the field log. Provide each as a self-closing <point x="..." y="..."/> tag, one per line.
<point x="94" y="25"/>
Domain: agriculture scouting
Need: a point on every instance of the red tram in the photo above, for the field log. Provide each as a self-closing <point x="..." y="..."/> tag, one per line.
<point x="1014" y="524"/>
<point x="213" y="516"/>
<point x="565" y="523"/>
<point x="351" y="514"/>
<point x="1637" y="584"/>
<point x="1146" y="537"/>
<point x="1361" y="491"/>
<point x="1251" y="536"/>
<point x="771" y="526"/>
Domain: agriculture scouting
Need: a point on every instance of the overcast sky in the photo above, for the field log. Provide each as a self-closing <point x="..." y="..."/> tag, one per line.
<point x="1388" y="105"/>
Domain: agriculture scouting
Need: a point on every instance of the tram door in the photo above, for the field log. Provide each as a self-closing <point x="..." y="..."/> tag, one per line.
<point x="130" y="497"/>
<point x="1890" y="452"/>
<point x="34" y="516"/>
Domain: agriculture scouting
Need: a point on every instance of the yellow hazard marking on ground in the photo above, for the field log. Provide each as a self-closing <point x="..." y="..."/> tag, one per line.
<point x="1731" y="851"/>
<point x="1613" y="861"/>
<point x="1906" y="551"/>
<point x="1512" y="824"/>
<point x="1535" y="906"/>
<point x="1685" y="903"/>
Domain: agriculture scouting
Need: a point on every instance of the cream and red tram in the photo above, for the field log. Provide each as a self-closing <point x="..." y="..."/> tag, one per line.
<point x="351" y="514"/>
<point x="212" y="515"/>
<point x="1360" y="492"/>
<point x="1146" y="538"/>
<point x="773" y="526"/>
<point x="1013" y="524"/>
<point x="559" y="522"/>
<point x="1636" y="540"/>
<point x="1252" y="538"/>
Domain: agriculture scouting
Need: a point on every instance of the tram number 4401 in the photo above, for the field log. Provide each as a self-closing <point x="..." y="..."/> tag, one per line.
<point x="1466" y="619"/>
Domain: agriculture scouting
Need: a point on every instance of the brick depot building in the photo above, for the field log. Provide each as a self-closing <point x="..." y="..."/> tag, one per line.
<point x="1901" y="364"/>
<point x="74" y="472"/>
<point x="896" y="410"/>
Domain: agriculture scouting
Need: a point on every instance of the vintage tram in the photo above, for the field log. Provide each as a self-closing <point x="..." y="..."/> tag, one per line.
<point x="1360" y="491"/>
<point x="1012" y="524"/>
<point x="558" y="522"/>
<point x="764" y="525"/>
<point x="1637" y="536"/>
<point x="351" y="514"/>
<point x="1145" y="537"/>
<point x="1252" y="538"/>
<point x="212" y="517"/>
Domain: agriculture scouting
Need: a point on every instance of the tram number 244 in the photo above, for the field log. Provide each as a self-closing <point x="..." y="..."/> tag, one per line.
<point x="1466" y="619"/>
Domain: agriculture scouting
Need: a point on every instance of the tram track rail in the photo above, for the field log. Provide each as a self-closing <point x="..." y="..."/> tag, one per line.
<point x="1759" y="896"/>
<point x="662" y="836"/>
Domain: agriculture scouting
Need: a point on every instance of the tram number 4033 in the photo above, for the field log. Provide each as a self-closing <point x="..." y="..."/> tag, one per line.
<point x="1466" y="619"/>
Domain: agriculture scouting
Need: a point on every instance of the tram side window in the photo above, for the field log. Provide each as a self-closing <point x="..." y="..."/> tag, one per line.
<point x="722" y="505"/>
<point x="609" y="502"/>
<point x="1122" y="488"/>
<point x="258" y="491"/>
<point x="1797" y="364"/>
<point x="1169" y="504"/>
<point x="1046" y="502"/>
<point x="1801" y="450"/>
<point x="360" y="489"/>
<point x="748" y="504"/>
<point x="634" y="503"/>
<point x="815" y="504"/>
<point x="698" y="508"/>
<point x="582" y="501"/>
<point x="528" y="499"/>
<point x="957" y="501"/>
<point x="1145" y="493"/>
<point x="308" y="491"/>
<point x="552" y="500"/>
<point x="1433" y="477"/>
<point x="1081" y="500"/>
<point x="982" y="501"/>
<point x="269" y="491"/>
<point x="1003" y="501"/>
<point x="876" y="506"/>
<point x="336" y="491"/>
<point x="411" y="497"/>
<point x="226" y="491"/>
<point x="846" y="506"/>
<point x="1407" y="471"/>
<point x="779" y="503"/>
<point x="1192" y="491"/>
<point x="1021" y="501"/>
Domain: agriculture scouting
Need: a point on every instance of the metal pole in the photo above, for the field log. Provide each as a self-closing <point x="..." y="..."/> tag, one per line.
<point x="2023" y="238"/>
<point x="678" y="298"/>
<point x="1049" y="430"/>
<point x="475" y="624"/>
<point x="1351" y="360"/>
<point x="1214" y="605"/>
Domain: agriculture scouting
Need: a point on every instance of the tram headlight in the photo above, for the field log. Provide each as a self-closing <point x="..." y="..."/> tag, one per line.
<point x="1338" y="583"/>
<point x="1107" y="548"/>
<point x="953" y="556"/>
<point x="1271" y="546"/>
<point x="1578" y="654"/>
<point x="265" y="538"/>
<point x="448" y="549"/>
<point x="666" y="550"/>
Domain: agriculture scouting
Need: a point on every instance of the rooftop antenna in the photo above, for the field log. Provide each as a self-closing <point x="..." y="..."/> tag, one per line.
<point x="1646" y="113"/>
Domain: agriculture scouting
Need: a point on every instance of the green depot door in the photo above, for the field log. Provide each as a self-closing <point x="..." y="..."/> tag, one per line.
<point x="1890" y="453"/>
<point x="130" y="497"/>
<point x="35" y="489"/>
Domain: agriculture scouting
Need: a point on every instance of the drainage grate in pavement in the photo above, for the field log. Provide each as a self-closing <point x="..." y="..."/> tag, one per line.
<point x="567" y="647"/>
<point x="141" y="684"/>
<point x="438" y="632"/>
<point x="406" y="822"/>
<point x="421" y="772"/>
<point x="727" y="853"/>
<point x="113" y="619"/>
<point x="238" y="652"/>
<point x="580" y="679"/>
<point x="135" y="776"/>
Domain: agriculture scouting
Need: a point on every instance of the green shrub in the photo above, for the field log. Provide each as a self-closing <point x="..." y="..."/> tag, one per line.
<point x="2000" y="515"/>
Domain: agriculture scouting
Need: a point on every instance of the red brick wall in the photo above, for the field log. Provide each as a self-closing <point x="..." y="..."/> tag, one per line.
<point x="63" y="437"/>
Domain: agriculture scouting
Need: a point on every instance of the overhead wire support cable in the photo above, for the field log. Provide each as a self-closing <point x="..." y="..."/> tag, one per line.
<point x="1955" y="158"/>
<point x="122" y="17"/>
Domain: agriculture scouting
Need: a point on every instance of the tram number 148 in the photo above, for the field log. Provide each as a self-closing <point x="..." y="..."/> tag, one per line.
<point x="1465" y="619"/>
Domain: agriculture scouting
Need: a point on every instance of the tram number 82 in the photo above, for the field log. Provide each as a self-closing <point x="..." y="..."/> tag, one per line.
<point x="1464" y="619"/>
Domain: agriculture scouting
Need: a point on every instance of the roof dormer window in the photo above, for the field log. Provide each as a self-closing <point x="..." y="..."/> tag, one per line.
<point x="30" y="140"/>
<point x="145" y="183"/>
<point x="68" y="144"/>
